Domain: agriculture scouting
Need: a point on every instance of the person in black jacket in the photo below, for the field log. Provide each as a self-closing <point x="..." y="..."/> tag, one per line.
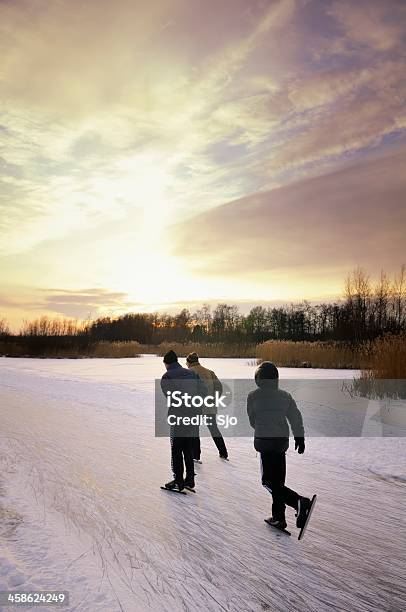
<point x="182" y="436"/>
<point x="270" y="412"/>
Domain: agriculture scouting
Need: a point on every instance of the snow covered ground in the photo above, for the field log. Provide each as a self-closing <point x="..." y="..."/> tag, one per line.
<point x="81" y="509"/>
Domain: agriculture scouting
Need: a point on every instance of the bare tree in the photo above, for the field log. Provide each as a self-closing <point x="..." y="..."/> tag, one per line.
<point x="358" y="294"/>
<point x="399" y="295"/>
<point x="382" y="296"/>
<point x="4" y="328"/>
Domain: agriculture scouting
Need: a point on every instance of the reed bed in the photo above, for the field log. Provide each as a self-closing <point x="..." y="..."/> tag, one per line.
<point x="381" y="359"/>
<point x="386" y="357"/>
<point x="385" y="375"/>
<point x="115" y="350"/>
<point x="221" y="349"/>
<point x="291" y="354"/>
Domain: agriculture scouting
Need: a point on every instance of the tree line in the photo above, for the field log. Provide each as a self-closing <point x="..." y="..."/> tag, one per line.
<point x="366" y="311"/>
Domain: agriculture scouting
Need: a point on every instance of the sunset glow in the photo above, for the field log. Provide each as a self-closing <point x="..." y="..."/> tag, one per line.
<point x="161" y="154"/>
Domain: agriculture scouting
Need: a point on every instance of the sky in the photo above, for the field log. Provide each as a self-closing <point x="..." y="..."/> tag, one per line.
<point x="161" y="154"/>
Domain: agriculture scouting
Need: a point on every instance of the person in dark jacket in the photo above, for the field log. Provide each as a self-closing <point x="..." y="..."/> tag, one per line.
<point x="182" y="380"/>
<point x="270" y="412"/>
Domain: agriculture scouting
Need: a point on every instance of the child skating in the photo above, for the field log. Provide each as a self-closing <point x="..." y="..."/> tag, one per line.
<point x="181" y="380"/>
<point x="213" y="384"/>
<point x="271" y="411"/>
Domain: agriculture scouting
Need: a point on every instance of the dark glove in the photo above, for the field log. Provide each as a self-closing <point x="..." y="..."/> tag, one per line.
<point x="300" y="445"/>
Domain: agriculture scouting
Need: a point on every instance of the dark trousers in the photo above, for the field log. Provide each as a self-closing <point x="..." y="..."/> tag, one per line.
<point x="196" y="448"/>
<point x="182" y="457"/>
<point x="217" y="438"/>
<point x="273" y="470"/>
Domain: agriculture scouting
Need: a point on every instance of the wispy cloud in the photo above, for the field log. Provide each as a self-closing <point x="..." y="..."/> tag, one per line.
<point x="314" y="230"/>
<point x="88" y="303"/>
<point x="372" y="23"/>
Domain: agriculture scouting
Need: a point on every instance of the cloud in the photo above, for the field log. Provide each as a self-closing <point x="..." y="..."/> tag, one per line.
<point x="79" y="101"/>
<point x="6" y="302"/>
<point x="123" y="119"/>
<point x="318" y="226"/>
<point x="86" y="303"/>
<point x="100" y="109"/>
<point x="76" y="304"/>
<point x="372" y="23"/>
<point x="76" y="56"/>
<point x="362" y="119"/>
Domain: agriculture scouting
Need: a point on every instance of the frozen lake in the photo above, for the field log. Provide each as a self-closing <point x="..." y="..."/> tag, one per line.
<point x="81" y="509"/>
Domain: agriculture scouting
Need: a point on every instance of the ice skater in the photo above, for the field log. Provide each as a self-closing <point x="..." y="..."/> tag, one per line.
<point x="271" y="411"/>
<point x="213" y="384"/>
<point x="177" y="378"/>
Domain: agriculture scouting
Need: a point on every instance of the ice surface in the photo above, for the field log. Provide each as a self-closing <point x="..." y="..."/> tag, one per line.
<point x="81" y="509"/>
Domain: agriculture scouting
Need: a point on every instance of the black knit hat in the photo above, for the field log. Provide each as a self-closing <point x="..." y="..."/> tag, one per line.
<point x="192" y="358"/>
<point x="170" y="357"/>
